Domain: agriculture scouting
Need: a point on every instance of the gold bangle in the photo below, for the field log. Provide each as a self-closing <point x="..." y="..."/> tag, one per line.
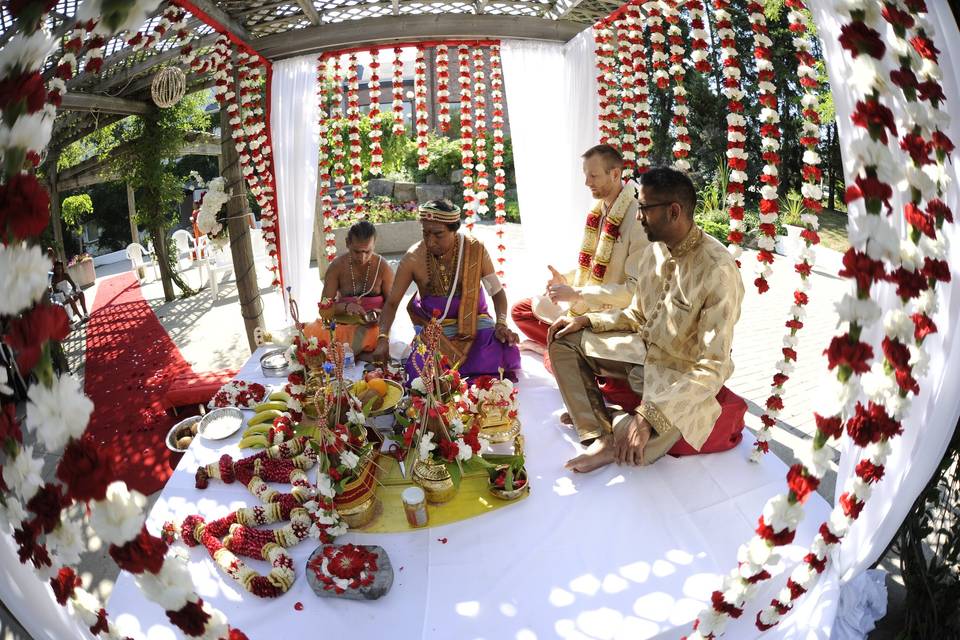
<point x="383" y="335"/>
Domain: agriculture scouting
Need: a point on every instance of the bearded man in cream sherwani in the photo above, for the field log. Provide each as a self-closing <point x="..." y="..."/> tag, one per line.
<point x="671" y="344"/>
<point x="610" y="250"/>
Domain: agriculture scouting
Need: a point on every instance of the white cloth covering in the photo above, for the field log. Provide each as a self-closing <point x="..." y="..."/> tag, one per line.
<point x="295" y="131"/>
<point x="620" y="553"/>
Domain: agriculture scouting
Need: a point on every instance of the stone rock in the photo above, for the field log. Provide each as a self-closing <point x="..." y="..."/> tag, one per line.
<point x="426" y="192"/>
<point x="434" y="179"/>
<point x="382" y="581"/>
<point x="380" y="187"/>
<point x="404" y="191"/>
<point x="456" y="177"/>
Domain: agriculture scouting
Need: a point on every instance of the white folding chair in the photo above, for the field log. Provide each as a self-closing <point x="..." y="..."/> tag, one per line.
<point x="136" y="254"/>
<point x="218" y="262"/>
<point x="183" y="241"/>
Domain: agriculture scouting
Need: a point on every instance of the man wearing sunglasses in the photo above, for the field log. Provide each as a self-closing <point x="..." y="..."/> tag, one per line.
<point x="671" y="344"/>
<point x="610" y="250"/>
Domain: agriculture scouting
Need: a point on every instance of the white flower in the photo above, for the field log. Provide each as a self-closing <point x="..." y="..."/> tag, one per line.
<point x="23" y="277"/>
<point x="350" y="459"/>
<point x="22" y="474"/>
<point x="5" y="389"/>
<point x="86" y="605"/>
<point x="898" y="325"/>
<point x="26" y="53"/>
<point x="780" y="515"/>
<point x="30" y="131"/>
<point x="464" y="452"/>
<point x="12" y="515"/>
<point x="865" y="74"/>
<point x="356" y="417"/>
<point x="172" y="587"/>
<point x="919" y="361"/>
<point x="853" y="309"/>
<point x="118" y="517"/>
<point x="817" y="461"/>
<point x="712" y="622"/>
<point x="874" y="234"/>
<point x="419" y="386"/>
<point x="325" y="485"/>
<point x="58" y="413"/>
<point x="66" y="541"/>
<point x="426" y="445"/>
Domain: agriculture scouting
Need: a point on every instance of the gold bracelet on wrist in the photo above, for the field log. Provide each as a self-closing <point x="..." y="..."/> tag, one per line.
<point x="384" y="336"/>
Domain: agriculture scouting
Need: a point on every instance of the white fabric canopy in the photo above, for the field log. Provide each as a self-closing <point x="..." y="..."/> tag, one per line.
<point x="295" y="130"/>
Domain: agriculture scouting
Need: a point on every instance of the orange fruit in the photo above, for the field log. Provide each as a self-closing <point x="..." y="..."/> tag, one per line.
<point x="378" y="385"/>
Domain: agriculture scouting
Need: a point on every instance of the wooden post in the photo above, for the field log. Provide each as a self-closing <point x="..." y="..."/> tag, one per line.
<point x="55" y="211"/>
<point x="132" y="214"/>
<point x="241" y="249"/>
<point x="319" y="240"/>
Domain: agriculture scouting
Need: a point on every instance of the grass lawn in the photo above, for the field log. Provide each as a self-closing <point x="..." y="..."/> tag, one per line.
<point x="833" y="230"/>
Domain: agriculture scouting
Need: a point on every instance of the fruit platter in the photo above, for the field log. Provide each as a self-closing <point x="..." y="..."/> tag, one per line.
<point x="380" y="393"/>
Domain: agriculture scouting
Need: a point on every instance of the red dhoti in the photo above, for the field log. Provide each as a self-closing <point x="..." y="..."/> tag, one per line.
<point x="531" y="326"/>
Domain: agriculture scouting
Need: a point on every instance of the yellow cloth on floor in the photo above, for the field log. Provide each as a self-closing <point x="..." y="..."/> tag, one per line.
<point x="473" y="499"/>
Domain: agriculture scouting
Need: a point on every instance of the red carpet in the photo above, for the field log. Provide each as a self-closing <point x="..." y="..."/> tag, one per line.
<point x="130" y="362"/>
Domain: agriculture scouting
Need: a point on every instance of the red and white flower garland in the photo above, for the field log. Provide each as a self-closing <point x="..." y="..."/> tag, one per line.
<point x="466" y="131"/>
<point x="336" y="127"/>
<point x="397" y="87"/>
<point x="769" y="143"/>
<point x="606" y="83"/>
<point x="681" y="135"/>
<point x="641" y="86"/>
<point x="698" y="36"/>
<point x="420" y="104"/>
<point x="653" y="9"/>
<point x="628" y="145"/>
<point x="736" y="126"/>
<point x="482" y="180"/>
<point x="324" y="178"/>
<point x="376" y="132"/>
<point x="443" y="87"/>
<point x="353" y="134"/>
<point x="810" y="137"/>
<point x="922" y="265"/>
<point x="499" y="177"/>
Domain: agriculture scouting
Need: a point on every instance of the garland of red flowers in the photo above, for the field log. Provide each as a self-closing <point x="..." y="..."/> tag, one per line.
<point x="480" y="137"/>
<point x="466" y="131"/>
<point x="336" y="127"/>
<point x="628" y="145"/>
<point x="397" y="87"/>
<point x="638" y="54"/>
<point x="736" y="127"/>
<point x="698" y="36"/>
<point x="326" y="201"/>
<point x="653" y="9"/>
<point x="420" y="104"/>
<point x="499" y="177"/>
<point x="443" y="87"/>
<point x="810" y="138"/>
<point x="46" y="518"/>
<point x="606" y="83"/>
<point x="681" y="144"/>
<point x="376" y="132"/>
<point x="353" y="134"/>
<point x="769" y="143"/>
<point x="923" y="265"/>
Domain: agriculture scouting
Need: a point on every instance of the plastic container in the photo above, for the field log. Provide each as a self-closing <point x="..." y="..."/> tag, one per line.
<point x="347" y="355"/>
<point x="415" y="506"/>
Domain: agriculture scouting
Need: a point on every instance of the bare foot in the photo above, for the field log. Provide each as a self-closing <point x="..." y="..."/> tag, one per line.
<point x="599" y="454"/>
<point x="530" y="345"/>
<point x="565" y="418"/>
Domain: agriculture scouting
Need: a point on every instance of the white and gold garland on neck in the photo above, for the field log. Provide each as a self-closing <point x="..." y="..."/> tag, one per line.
<point x="595" y="254"/>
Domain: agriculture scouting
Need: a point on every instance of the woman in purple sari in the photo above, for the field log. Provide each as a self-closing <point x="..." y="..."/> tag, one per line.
<point x="450" y="270"/>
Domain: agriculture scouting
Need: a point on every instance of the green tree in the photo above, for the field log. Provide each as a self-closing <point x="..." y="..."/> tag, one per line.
<point x="76" y="211"/>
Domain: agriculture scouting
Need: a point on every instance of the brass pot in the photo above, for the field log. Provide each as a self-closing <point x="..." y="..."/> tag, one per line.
<point x="434" y="478"/>
<point x="360" y="515"/>
<point x="512" y="494"/>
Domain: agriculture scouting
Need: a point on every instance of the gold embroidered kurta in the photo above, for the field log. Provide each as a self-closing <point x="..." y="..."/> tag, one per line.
<point x="683" y="315"/>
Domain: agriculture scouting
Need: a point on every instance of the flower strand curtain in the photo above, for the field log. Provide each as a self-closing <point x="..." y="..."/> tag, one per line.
<point x="295" y="129"/>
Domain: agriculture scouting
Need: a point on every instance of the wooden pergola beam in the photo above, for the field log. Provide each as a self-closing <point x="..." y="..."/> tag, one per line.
<point x="75" y="101"/>
<point x="388" y="29"/>
<point x="224" y="19"/>
<point x="310" y="11"/>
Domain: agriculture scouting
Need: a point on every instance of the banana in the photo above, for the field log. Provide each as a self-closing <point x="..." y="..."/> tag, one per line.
<point x="255" y="441"/>
<point x="279" y="396"/>
<point x="262" y="429"/>
<point x="267" y="416"/>
<point x="266" y="406"/>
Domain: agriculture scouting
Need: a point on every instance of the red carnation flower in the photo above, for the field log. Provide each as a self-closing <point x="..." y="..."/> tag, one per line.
<point x="896" y="353"/>
<point x="851" y="506"/>
<point x="25" y="91"/>
<point x="801" y="484"/>
<point x="924" y="46"/>
<point x="800" y="298"/>
<point x="909" y="283"/>
<point x="28" y="333"/>
<point x="931" y="91"/>
<point x="842" y="352"/>
<point x="64" y="584"/>
<point x="858" y="38"/>
<point x="775" y="403"/>
<point x="804" y="268"/>
<point x="862" y="268"/>
<point x="9" y="427"/>
<point x="936" y="270"/>
<point x="817" y="564"/>
<point x="871" y="424"/>
<point x="762" y="285"/>
<point x="779" y="379"/>
<point x="897" y="17"/>
<point x="869" y="472"/>
<point x="917" y="147"/>
<point x="941" y="142"/>
<point x="781" y="538"/>
<point x="721" y="605"/>
<point x="906" y="381"/>
<point x="919" y="219"/>
<point x="46" y="504"/>
<point x="191" y="619"/>
<point x="789" y="354"/>
<point x="24" y="206"/>
<point x="143" y="553"/>
<point x="876" y="118"/>
<point x="831" y="427"/>
<point x="86" y="468"/>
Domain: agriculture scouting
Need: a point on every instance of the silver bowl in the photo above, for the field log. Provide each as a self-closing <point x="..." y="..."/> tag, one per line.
<point x="171" y="440"/>
<point x="274" y="364"/>
<point x="220" y="423"/>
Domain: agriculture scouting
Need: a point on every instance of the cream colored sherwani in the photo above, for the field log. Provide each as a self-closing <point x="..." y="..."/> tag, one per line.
<point x="620" y="278"/>
<point x="679" y="327"/>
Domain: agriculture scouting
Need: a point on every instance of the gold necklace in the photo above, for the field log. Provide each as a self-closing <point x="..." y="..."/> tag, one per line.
<point x="353" y="282"/>
<point x="438" y="268"/>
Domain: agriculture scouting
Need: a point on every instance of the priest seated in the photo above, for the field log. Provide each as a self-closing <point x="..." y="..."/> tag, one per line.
<point x="449" y="269"/>
<point x="671" y="345"/>
<point x="358" y="282"/>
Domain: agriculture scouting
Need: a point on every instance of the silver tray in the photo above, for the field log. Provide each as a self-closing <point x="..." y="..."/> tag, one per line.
<point x="274" y="364"/>
<point x="225" y="422"/>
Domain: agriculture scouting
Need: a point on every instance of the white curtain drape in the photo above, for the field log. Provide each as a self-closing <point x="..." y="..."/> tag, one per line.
<point x="552" y="102"/>
<point x="295" y="129"/>
<point x="934" y="413"/>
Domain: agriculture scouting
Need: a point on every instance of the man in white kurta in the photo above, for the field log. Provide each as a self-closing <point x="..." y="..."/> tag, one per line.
<point x="612" y="243"/>
<point x="672" y="344"/>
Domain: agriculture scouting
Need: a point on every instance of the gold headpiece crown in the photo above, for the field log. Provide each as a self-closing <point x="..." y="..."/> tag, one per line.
<point x="436" y="211"/>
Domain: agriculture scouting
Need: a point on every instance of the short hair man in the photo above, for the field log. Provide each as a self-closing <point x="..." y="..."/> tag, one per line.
<point x="671" y="344"/>
<point x="611" y="247"/>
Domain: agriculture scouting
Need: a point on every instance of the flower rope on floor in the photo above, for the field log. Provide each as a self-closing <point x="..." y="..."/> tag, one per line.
<point x="799" y="20"/>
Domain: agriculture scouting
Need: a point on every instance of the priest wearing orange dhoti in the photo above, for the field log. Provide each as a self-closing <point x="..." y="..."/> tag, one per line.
<point x="612" y="243"/>
<point x="358" y="282"/>
<point x="671" y="344"/>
